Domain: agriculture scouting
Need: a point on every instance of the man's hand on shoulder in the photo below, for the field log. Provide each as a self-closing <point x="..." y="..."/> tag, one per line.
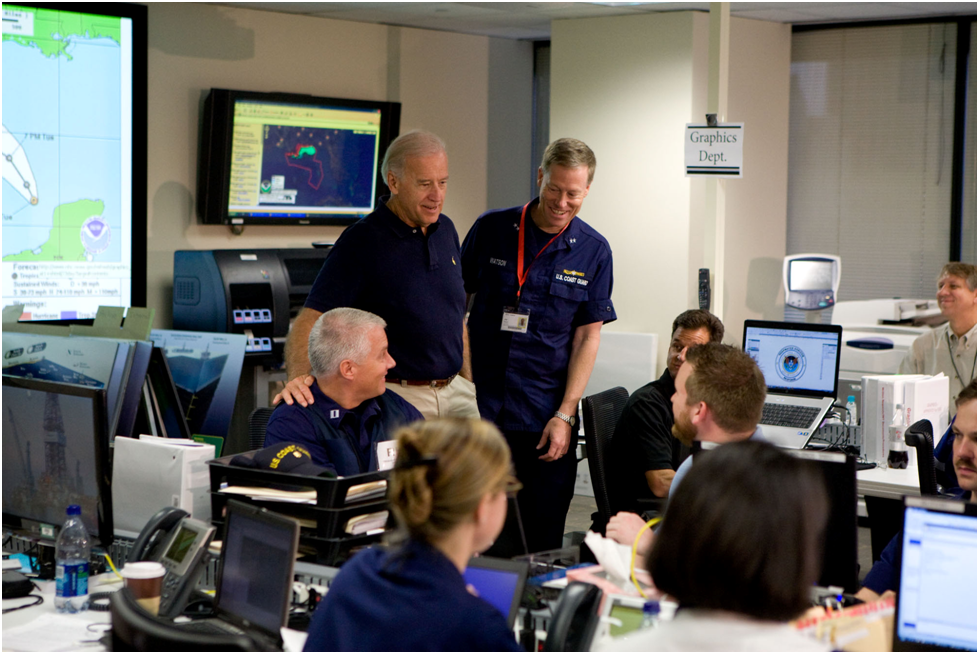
<point x="297" y="390"/>
<point x="623" y="527"/>
<point x="558" y="432"/>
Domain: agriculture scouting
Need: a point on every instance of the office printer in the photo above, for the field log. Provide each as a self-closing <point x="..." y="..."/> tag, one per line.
<point x="877" y="335"/>
<point x="251" y="292"/>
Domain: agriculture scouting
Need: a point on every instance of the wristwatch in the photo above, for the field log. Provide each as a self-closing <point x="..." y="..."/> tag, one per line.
<point x="565" y="417"/>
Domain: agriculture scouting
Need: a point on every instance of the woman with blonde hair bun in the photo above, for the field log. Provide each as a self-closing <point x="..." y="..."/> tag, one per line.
<point x="448" y="491"/>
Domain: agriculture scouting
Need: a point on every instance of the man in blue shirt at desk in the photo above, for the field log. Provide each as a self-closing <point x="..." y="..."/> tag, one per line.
<point x="353" y="412"/>
<point x="542" y="281"/>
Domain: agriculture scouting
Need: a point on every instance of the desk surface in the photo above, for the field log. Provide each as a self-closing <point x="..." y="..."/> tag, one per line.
<point x="40" y="628"/>
<point x="888" y="482"/>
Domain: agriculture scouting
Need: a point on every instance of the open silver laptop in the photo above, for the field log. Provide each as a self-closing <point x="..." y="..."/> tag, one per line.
<point x="801" y="364"/>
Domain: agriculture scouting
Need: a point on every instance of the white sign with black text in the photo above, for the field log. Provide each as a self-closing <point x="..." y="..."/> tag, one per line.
<point x="714" y="151"/>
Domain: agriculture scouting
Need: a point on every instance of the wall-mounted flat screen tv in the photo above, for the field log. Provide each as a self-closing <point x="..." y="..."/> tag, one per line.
<point x="74" y="158"/>
<point x="288" y="159"/>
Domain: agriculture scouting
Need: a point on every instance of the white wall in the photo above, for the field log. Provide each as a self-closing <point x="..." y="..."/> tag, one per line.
<point x="626" y="86"/>
<point x="441" y="79"/>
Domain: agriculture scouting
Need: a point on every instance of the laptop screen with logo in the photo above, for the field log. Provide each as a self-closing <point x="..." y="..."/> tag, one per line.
<point x="800" y="359"/>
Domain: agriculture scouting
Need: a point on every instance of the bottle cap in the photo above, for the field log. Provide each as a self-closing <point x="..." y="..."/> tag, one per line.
<point x="652" y="606"/>
<point x="850" y="398"/>
<point x="74" y="509"/>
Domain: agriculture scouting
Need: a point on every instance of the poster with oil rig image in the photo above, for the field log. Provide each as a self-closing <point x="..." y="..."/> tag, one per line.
<point x="206" y="367"/>
<point x="46" y="469"/>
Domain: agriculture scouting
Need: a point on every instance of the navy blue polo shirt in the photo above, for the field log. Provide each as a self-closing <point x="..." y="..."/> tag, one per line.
<point x="412" y="280"/>
<point x="520" y="378"/>
<point x="341" y="439"/>
<point x="408" y="599"/>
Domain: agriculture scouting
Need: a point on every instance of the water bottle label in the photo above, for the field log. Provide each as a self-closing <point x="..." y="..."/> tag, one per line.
<point x="72" y="579"/>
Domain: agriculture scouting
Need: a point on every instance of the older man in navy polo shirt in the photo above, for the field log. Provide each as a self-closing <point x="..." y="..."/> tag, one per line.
<point x="401" y="262"/>
<point x="542" y="281"/>
<point x="353" y="412"/>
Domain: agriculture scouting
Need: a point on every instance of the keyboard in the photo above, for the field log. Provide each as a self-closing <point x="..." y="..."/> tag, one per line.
<point x="211" y="626"/>
<point x="788" y="415"/>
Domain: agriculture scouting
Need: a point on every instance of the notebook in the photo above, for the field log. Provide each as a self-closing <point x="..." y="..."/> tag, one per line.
<point x="936" y="598"/>
<point x="254" y="585"/>
<point x="498" y="581"/>
<point x="801" y="364"/>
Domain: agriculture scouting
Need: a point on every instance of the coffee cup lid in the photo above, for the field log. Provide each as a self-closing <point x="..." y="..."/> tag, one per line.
<point x="143" y="570"/>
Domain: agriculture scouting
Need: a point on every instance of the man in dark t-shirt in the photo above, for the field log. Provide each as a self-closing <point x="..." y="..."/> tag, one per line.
<point x="644" y="454"/>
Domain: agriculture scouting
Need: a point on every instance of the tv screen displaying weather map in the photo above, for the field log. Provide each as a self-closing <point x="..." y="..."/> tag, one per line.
<point x="67" y="162"/>
<point x="302" y="161"/>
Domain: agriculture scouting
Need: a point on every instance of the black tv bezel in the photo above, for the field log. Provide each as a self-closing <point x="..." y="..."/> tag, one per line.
<point x="103" y="463"/>
<point x="214" y="152"/>
<point x="138" y="193"/>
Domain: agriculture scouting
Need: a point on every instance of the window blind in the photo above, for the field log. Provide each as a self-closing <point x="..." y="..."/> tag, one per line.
<point x="870" y="153"/>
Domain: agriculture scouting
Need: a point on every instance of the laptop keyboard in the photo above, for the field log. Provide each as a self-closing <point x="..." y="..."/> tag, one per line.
<point x="788" y="415"/>
<point x="213" y="627"/>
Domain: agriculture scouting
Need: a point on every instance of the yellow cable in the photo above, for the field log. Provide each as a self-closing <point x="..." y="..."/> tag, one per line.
<point x="108" y="559"/>
<point x="635" y="548"/>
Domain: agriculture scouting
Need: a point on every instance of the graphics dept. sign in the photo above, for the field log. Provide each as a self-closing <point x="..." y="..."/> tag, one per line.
<point x="713" y="151"/>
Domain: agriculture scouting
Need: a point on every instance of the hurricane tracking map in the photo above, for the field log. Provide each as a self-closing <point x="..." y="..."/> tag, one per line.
<point x="66" y="161"/>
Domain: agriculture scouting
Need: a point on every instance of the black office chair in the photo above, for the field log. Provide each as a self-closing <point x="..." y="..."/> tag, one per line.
<point x="920" y="437"/>
<point x="136" y="630"/>
<point x="600" y="414"/>
<point x="258" y="420"/>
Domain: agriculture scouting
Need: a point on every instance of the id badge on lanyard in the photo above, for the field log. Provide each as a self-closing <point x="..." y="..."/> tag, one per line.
<point x="516" y="319"/>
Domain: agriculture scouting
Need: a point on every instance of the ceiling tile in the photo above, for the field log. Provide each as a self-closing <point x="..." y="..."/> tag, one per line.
<point x="780" y="15"/>
<point x="531" y="20"/>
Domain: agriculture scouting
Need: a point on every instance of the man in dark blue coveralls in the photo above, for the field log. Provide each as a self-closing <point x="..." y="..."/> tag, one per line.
<point x="351" y="423"/>
<point x="540" y="284"/>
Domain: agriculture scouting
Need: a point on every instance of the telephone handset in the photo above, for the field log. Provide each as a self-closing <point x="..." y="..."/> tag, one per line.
<point x="180" y="543"/>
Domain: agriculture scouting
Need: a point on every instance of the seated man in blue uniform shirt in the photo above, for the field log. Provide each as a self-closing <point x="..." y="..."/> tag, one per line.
<point x="883" y="577"/>
<point x="353" y="412"/>
<point x="720" y="393"/>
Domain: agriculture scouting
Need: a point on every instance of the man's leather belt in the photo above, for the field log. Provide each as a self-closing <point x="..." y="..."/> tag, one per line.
<point x="433" y="383"/>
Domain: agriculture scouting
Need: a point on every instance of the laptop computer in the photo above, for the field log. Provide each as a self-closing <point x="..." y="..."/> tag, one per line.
<point x="254" y="585"/>
<point x="936" y="599"/>
<point x="801" y="364"/>
<point x="500" y="582"/>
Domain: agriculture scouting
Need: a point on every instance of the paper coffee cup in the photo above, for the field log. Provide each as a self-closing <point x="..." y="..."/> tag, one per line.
<point x="144" y="579"/>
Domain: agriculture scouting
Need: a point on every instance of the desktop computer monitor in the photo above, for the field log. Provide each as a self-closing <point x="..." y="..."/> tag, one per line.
<point x="840" y="542"/>
<point x="55" y="453"/>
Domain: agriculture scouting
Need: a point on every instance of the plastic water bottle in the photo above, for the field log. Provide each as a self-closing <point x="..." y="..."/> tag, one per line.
<point x="897" y="456"/>
<point x="851" y="411"/>
<point x="72" y="552"/>
<point x="650" y="614"/>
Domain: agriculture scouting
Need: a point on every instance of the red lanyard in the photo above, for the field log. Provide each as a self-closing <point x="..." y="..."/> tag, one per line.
<point x="521" y="273"/>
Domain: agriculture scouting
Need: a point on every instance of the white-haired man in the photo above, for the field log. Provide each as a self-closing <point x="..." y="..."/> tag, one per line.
<point x="403" y="263"/>
<point x="352" y="411"/>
